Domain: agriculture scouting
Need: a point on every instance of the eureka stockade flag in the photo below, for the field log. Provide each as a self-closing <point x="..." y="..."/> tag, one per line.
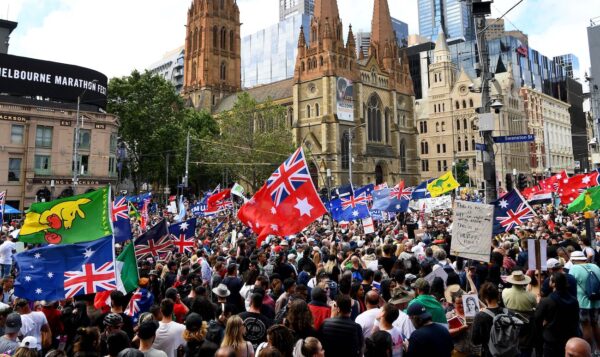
<point x="75" y="219"/>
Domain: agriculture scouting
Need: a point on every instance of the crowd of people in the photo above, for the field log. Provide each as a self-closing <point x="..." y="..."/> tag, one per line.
<point x="332" y="290"/>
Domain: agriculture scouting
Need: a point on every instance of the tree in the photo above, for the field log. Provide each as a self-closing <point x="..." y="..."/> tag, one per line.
<point x="462" y="172"/>
<point x="255" y="136"/>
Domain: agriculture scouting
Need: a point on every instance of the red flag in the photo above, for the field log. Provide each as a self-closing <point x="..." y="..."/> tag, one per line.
<point x="286" y="203"/>
<point x="217" y="200"/>
<point x="551" y="225"/>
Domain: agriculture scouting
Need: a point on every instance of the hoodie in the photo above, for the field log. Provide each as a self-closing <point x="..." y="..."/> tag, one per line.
<point x="560" y="311"/>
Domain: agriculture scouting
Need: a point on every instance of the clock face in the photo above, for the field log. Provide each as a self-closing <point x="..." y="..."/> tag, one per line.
<point x="463" y="90"/>
<point x="312" y="88"/>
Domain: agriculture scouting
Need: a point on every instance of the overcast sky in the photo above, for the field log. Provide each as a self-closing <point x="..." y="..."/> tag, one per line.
<point x="117" y="36"/>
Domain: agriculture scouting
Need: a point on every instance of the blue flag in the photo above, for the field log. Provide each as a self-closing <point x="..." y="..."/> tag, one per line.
<point x="421" y="191"/>
<point x="154" y="243"/>
<point x="387" y="200"/>
<point x="139" y="200"/>
<point x="141" y="301"/>
<point x="351" y="207"/>
<point x="120" y="218"/>
<point x="511" y="211"/>
<point x="63" y="271"/>
<point x="182" y="211"/>
<point x="183" y="235"/>
<point x="341" y="191"/>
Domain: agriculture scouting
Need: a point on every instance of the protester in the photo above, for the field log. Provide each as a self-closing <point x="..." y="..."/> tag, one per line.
<point x="147" y="334"/>
<point x="339" y="333"/>
<point x="429" y="338"/>
<point x="169" y="335"/>
<point x="234" y="338"/>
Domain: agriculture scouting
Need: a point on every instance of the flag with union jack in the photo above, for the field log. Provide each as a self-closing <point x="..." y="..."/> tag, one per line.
<point x="120" y="218"/>
<point x="156" y="242"/>
<point x="511" y="211"/>
<point x="2" y="200"/>
<point x="140" y="302"/>
<point x="183" y="235"/>
<point x="288" y="177"/>
<point x="400" y="192"/>
<point x="392" y="199"/>
<point x="352" y="207"/>
<point x="58" y="272"/>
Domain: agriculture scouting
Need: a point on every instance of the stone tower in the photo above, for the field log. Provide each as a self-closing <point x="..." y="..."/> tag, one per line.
<point x="212" y="52"/>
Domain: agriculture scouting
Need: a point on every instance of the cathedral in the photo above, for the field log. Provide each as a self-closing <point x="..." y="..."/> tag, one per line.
<point x="354" y="115"/>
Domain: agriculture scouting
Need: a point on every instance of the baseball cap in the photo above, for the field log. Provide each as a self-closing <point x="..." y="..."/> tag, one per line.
<point x="29" y="342"/>
<point x="147" y="329"/>
<point x="421" y="284"/>
<point x="553" y="263"/>
<point x="13" y="323"/>
<point x="193" y="322"/>
<point x="416" y="309"/>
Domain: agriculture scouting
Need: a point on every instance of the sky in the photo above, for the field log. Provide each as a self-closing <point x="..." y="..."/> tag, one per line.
<point x="118" y="36"/>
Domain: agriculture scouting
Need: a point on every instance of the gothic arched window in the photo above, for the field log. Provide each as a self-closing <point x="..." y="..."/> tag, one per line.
<point x="374" y="119"/>
<point x="402" y="156"/>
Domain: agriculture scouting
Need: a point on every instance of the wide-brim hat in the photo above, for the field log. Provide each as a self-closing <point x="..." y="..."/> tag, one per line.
<point x="578" y="256"/>
<point x="221" y="290"/>
<point x="400" y="296"/>
<point x="452" y="289"/>
<point x="518" y="278"/>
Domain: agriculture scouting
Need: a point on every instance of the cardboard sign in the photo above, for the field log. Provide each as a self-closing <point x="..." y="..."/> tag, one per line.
<point x="368" y="225"/>
<point x="532" y="261"/>
<point x="472" y="230"/>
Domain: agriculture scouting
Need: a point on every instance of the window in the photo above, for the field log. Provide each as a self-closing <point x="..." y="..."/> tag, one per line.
<point x="302" y="67"/>
<point x="16" y="134"/>
<point x="402" y="156"/>
<point x="84" y="139"/>
<point x="465" y="124"/>
<point x="14" y="169"/>
<point x="345" y="153"/>
<point x="439" y="165"/>
<point x="425" y="127"/>
<point x="231" y="41"/>
<point x="466" y="145"/>
<point x="43" y="137"/>
<point x="386" y="127"/>
<point x="112" y="166"/>
<point x="425" y="165"/>
<point x="374" y="122"/>
<point x="42" y="165"/>
<point x="317" y="113"/>
<point x="215" y="37"/>
<point x="459" y="145"/>
<point x="83" y="165"/>
<point x="308" y="111"/>
<point x="113" y="143"/>
<point x="457" y="124"/>
<point x="445" y="165"/>
<point x="470" y="103"/>
<point x="439" y="148"/>
<point x="457" y="105"/>
<point x="444" y="148"/>
<point x="437" y="127"/>
<point x="223" y="74"/>
<point x="195" y="40"/>
<point x="473" y="144"/>
<point x="464" y="104"/>
<point x="223" y="37"/>
<point x="443" y="126"/>
<point x="474" y="163"/>
<point x="200" y="38"/>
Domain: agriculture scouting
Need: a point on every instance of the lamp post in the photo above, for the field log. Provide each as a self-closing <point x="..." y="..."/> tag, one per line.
<point x="350" y="135"/>
<point x="76" y="146"/>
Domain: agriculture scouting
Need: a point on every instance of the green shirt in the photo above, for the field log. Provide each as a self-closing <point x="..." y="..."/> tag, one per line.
<point x="581" y="275"/>
<point x="433" y="307"/>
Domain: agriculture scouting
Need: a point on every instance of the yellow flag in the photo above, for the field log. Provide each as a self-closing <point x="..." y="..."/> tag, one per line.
<point x="445" y="183"/>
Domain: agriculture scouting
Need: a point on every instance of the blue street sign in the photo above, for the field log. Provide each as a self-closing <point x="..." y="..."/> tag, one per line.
<point x="480" y="147"/>
<point x="514" y="138"/>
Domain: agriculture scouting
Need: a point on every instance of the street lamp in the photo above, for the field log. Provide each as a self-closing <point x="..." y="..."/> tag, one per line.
<point x="76" y="146"/>
<point x="350" y="134"/>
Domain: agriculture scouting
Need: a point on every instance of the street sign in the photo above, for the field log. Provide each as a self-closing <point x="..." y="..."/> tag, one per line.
<point x="514" y="138"/>
<point x="480" y="147"/>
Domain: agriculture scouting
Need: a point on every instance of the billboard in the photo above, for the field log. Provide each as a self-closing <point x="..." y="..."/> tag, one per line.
<point x="24" y="76"/>
<point x="344" y="94"/>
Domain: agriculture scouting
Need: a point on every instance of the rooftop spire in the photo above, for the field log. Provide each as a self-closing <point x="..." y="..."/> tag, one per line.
<point x="326" y="8"/>
<point x="301" y="38"/>
<point x="381" y="24"/>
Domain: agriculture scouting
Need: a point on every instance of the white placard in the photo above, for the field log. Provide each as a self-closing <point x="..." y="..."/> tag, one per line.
<point x="368" y="225"/>
<point x="531" y="254"/>
<point x="431" y="204"/>
<point x="470" y="305"/>
<point x="472" y="230"/>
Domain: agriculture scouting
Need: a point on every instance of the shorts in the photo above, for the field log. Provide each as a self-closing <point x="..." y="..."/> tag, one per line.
<point x="589" y="315"/>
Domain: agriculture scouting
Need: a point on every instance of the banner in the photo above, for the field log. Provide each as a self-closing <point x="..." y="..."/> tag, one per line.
<point x="432" y="204"/>
<point x="368" y="225"/>
<point x="344" y="95"/>
<point x="472" y="231"/>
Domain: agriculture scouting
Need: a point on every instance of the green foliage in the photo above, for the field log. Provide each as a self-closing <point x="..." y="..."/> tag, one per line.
<point x="253" y="133"/>
<point x="462" y="172"/>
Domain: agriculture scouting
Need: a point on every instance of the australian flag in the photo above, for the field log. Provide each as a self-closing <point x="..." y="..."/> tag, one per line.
<point x="511" y="211"/>
<point x="120" y="219"/>
<point x="141" y="301"/>
<point x="391" y="199"/>
<point x="341" y="191"/>
<point x="63" y="271"/>
<point x="351" y="207"/>
<point x="421" y="191"/>
<point x="155" y="242"/>
<point x="183" y="235"/>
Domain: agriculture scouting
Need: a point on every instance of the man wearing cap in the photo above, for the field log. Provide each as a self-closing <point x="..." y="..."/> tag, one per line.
<point x="8" y="342"/>
<point x="434" y="308"/>
<point x="588" y="309"/>
<point x="429" y="339"/>
<point x="555" y="266"/>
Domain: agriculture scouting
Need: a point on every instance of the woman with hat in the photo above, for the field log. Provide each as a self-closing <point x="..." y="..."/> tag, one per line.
<point x="194" y="335"/>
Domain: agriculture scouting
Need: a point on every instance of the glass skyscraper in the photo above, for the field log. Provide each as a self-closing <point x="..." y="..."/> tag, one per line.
<point x="363" y="38"/>
<point x="451" y="16"/>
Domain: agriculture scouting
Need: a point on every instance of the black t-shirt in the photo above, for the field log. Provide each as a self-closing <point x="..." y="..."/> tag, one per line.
<point x="127" y="324"/>
<point x="256" y="327"/>
<point x="431" y="340"/>
<point x="387" y="263"/>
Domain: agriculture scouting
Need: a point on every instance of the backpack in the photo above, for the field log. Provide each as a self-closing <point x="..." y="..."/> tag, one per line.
<point x="215" y="332"/>
<point x="592" y="285"/>
<point x="281" y="315"/>
<point x="504" y="334"/>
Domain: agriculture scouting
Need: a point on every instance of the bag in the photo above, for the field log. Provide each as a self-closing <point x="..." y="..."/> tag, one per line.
<point x="504" y="334"/>
<point x="592" y="285"/>
<point x="215" y="332"/>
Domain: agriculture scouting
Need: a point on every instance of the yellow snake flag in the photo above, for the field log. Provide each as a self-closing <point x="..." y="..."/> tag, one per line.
<point x="445" y="183"/>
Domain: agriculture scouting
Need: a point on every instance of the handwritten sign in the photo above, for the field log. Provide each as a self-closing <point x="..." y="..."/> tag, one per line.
<point x="472" y="230"/>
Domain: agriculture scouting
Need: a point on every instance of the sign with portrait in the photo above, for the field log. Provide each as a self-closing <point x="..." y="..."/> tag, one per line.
<point x="470" y="305"/>
<point x="344" y="94"/>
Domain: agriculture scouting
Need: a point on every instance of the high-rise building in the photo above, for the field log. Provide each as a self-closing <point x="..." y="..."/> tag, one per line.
<point x="495" y="28"/>
<point x="594" y="79"/>
<point x="570" y="63"/>
<point x="363" y="38"/>
<point x="453" y="17"/>
<point x="170" y="67"/>
<point x="290" y="8"/>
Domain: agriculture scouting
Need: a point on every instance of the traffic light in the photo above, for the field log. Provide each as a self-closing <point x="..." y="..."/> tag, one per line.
<point x="509" y="182"/>
<point x="522" y="182"/>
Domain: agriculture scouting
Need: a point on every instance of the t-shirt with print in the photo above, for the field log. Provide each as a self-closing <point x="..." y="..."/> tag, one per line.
<point x="256" y="327"/>
<point x="8" y="346"/>
<point x="31" y="325"/>
<point x="397" y="341"/>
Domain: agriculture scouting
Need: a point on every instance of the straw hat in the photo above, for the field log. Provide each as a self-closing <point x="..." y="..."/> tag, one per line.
<point x="518" y="278"/>
<point x="452" y="289"/>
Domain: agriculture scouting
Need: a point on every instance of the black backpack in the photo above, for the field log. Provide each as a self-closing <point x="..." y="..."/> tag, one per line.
<point x="215" y="332"/>
<point x="592" y="285"/>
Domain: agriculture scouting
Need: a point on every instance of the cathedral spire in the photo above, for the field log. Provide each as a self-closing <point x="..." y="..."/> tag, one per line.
<point x="351" y="43"/>
<point x="326" y="9"/>
<point x="301" y="38"/>
<point x="441" y="52"/>
<point x="382" y="31"/>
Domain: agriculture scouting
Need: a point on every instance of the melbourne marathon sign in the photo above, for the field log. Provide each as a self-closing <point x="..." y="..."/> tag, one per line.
<point x="31" y="77"/>
<point x="514" y="138"/>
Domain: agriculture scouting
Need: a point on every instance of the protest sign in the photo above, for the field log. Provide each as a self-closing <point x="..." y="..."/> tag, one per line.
<point x="472" y="230"/>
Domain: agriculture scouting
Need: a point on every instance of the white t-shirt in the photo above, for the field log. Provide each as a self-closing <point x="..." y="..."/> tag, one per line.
<point x="397" y="340"/>
<point x="31" y="325"/>
<point x="6" y="252"/>
<point x="169" y="337"/>
<point x="367" y="320"/>
<point x="404" y="324"/>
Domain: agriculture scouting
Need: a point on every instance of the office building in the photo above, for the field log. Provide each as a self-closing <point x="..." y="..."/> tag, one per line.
<point x="593" y="78"/>
<point x="570" y="63"/>
<point x="170" y="67"/>
<point x="495" y="28"/>
<point x="363" y="38"/>
<point x="290" y="8"/>
<point x="453" y="17"/>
